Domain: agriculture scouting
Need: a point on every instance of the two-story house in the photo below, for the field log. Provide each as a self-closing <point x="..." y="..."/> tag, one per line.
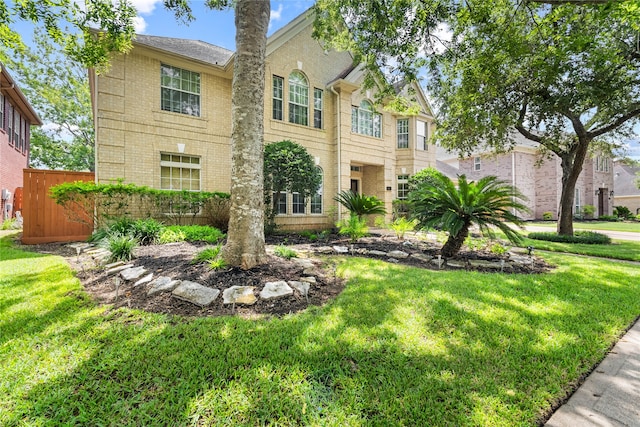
<point x="163" y="119"/>
<point x="16" y="118"/>
<point x="539" y="178"/>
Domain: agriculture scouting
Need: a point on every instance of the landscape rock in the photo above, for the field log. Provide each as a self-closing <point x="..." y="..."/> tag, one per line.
<point x="195" y="293"/>
<point x="119" y="268"/>
<point x="239" y="295"/>
<point x="302" y="287"/>
<point x="392" y="260"/>
<point x="341" y="249"/>
<point x="422" y="257"/>
<point x="145" y="279"/>
<point x="309" y="279"/>
<point x="377" y="253"/>
<point x="134" y="273"/>
<point x="325" y="250"/>
<point x="303" y="262"/>
<point x="456" y="264"/>
<point x="162" y="284"/>
<point x="398" y="254"/>
<point x="273" y="290"/>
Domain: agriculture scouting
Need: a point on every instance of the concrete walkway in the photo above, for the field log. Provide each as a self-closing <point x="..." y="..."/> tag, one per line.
<point x="610" y="396"/>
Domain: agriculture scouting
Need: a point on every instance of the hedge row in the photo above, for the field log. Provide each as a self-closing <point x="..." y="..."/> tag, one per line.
<point x="586" y="237"/>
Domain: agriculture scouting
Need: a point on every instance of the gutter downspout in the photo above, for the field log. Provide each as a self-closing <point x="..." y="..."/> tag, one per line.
<point x="338" y="144"/>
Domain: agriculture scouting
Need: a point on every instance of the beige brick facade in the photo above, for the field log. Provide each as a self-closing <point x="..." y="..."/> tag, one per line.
<point x="132" y="130"/>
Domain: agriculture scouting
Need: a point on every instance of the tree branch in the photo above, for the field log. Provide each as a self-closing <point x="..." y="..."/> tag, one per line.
<point x="631" y="114"/>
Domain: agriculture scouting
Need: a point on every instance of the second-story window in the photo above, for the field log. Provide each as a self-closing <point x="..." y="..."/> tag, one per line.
<point x="421" y="135"/>
<point x="317" y="108"/>
<point x="180" y="90"/>
<point x="1" y="111"/>
<point x="476" y="163"/>
<point x="298" y="99"/>
<point x="278" y="97"/>
<point x="10" y="123"/>
<point x="402" y="130"/>
<point x="365" y="120"/>
<point x="16" y="130"/>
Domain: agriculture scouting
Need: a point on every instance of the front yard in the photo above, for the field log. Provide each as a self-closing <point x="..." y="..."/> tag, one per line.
<point x="399" y="346"/>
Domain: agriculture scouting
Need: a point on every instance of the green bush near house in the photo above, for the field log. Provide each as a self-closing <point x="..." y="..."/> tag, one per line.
<point x="579" y="236"/>
<point x="547" y="216"/>
<point x="198" y="233"/>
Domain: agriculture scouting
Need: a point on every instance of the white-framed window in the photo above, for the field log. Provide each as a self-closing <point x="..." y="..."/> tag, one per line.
<point x="278" y="98"/>
<point x="179" y="172"/>
<point x="10" y="123"/>
<point x="281" y="203"/>
<point x="179" y="90"/>
<point x="477" y="165"/>
<point x="403" y="186"/>
<point x="402" y="133"/>
<point x="365" y="120"/>
<point x="299" y="204"/>
<point x="1" y="111"/>
<point x="16" y="130"/>
<point x="298" y="99"/>
<point x="578" y="203"/>
<point x="316" y="199"/>
<point x="421" y="135"/>
<point x="317" y="107"/>
<point x="23" y="134"/>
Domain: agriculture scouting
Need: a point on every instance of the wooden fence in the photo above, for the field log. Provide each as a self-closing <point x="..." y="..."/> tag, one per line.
<point x="44" y="221"/>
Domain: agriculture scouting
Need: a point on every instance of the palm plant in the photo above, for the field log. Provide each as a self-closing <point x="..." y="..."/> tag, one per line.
<point x="486" y="203"/>
<point x="359" y="204"/>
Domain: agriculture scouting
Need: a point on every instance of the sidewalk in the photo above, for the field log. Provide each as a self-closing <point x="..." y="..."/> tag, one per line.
<point x="610" y="396"/>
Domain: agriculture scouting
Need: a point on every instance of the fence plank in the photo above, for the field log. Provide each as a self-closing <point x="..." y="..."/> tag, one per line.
<point x="44" y="221"/>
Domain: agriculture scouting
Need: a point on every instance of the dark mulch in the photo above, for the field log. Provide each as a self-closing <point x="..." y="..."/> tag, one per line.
<point x="174" y="260"/>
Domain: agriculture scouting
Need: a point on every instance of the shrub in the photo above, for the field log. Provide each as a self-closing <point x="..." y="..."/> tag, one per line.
<point x="611" y="218"/>
<point x="216" y="210"/>
<point x="310" y="235"/>
<point x="218" y="263"/>
<point x="147" y="231"/>
<point x="400" y="209"/>
<point x="475" y="244"/>
<point x="498" y="248"/>
<point x="208" y="254"/>
<point x="171" y="236"/>
<point x="198" y="233"/>
<point x="547" y="216"/>
<point x="622" y="212"/>
<point x="588" y="211"/>
<point x="586" y="237"/>
<point x="401" y="225"/>
<point x="285" y="252"/>
<point x="121" y="246"/>
<point x="354" y="227"/>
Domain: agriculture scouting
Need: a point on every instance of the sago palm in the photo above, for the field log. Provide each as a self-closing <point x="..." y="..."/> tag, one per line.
<point x="485" y="203"/>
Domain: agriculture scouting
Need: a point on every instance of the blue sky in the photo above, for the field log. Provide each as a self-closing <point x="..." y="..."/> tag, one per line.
<point x="215" y="27"/>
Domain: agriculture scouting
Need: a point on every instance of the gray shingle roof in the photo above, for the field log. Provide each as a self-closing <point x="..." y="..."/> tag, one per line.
<point x="193" y="49"/>
<point x="624" y="177"/>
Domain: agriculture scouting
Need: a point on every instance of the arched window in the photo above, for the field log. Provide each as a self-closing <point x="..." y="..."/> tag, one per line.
<point x="365" y="120"/>
<point x="298" y="98"/>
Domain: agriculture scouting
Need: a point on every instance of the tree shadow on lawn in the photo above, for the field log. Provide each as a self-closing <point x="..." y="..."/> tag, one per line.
<point x="422" y="352"/>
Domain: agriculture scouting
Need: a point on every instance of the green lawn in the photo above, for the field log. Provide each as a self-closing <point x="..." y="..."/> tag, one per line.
<point x="400" y="346"/>
<point x="629" y="226"/>
<point x="618" y="249"/>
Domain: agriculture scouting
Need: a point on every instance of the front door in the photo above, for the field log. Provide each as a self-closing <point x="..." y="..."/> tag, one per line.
<point x="602" y="201"/>
<point x="355" y="186"/>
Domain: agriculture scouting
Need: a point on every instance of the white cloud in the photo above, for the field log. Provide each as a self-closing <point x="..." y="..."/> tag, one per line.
<point x="276" y="15"/>
<point x="144" y="6"/>
<point x="139" y="24"/>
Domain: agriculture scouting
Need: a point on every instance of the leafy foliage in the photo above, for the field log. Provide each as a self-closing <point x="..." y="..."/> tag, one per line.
<point x="486" y="203"/>
<point x="580" y="236"/>
<point x="198" y="233"/>
<point x="402" y="225"/>
<point x="288" y="167"/>
<point x="171" y="236"/>
<point x="120" y="245"/>
<point x="355" y="227"/>
<point x="359" y="204"/>
<point x="207" y="254"/>
<point x="285" y="252"/>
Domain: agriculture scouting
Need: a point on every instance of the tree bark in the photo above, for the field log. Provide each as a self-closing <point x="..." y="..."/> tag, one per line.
<point x="454" y="243"/>
<point x="245" y="239"/>
<point x="571" y="163"/>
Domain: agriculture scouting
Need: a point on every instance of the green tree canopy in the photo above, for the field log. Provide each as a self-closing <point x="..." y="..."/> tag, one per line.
<point x="58" y="89"/>
<point x="566" y="77"/>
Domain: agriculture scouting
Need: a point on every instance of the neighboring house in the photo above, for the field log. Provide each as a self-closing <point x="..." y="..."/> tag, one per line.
<point x="16" y="118"/>
<point x="625" y="186"/>
<point x="540" y="178"/>
<point x="163" y="119"/>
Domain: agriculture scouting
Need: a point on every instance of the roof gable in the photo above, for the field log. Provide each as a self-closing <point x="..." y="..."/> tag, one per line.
<point x="191" y="49"/>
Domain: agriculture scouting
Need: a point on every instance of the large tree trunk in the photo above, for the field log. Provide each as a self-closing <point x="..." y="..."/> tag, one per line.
<point x="245" y="239"/>
<point x="571" y="167"/>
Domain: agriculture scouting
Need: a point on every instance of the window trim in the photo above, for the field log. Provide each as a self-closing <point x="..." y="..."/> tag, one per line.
<point x="180" y="165"/>
<point x="402" y="129"/>
<point x="317" y="198"/>
<point x="275" y="99"/>
<point x="298" y="108"/>
<point x="421" y="140"/>
<point x="10" y="124"/>
<point x="171" y="108"/>
<point x="2" y="111"/>
<point x="477" y="165"/>
<point x="364" y="115"/>
<point x="402" y="180"/>
<point x="318" y="107"/>
<point x="298" y="204"/>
